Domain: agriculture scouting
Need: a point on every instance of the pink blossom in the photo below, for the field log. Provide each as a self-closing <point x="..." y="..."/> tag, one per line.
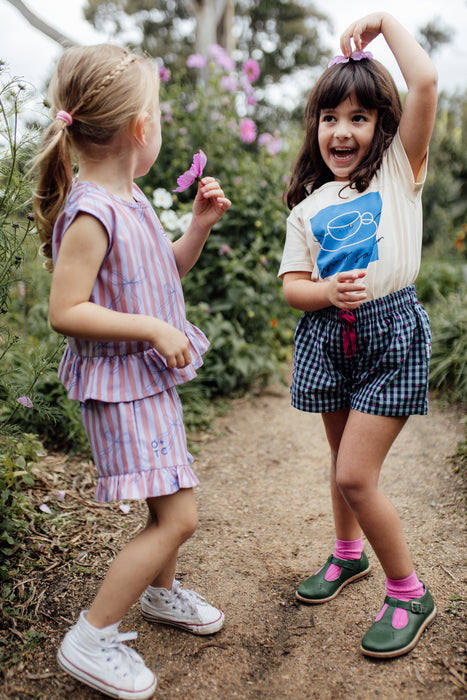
<point x="45" y="508"/>
<point x="224" y="249"/>
<point x="196" y="60"/>
<point x="247" y="130"/>
<point x="251" y="100"/>
<point x="195" y="172"/>
<point x="223" y="59"/>
<point x="272" y="143"/>
<point x="25" y="401"/>
<point x="251" y="70"/>
<point x="166" y="111"/>
<point x="164" y="74"/>
<point x="229" y="83"/>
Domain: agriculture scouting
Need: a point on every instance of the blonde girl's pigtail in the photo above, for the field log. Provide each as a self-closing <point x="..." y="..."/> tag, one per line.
<point x="54" y="169"/>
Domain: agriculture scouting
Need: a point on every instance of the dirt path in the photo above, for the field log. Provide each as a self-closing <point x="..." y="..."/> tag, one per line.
<point x="265" y="524"/>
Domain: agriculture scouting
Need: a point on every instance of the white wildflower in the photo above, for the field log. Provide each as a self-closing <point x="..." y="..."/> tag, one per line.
<point x="162" y="198"/>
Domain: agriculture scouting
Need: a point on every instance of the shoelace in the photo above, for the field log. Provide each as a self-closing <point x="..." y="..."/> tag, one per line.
<point x="122" y="658"/>
<point x="185" y="598"/>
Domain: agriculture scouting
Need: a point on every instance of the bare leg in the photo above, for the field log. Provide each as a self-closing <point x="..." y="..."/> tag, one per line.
<point x="364" y="444"/>
<point x="345" y="522"/>
<point x="149" y="557"/>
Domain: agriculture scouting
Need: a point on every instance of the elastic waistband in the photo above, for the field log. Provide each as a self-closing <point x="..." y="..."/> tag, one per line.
<point x="387" y="304"/>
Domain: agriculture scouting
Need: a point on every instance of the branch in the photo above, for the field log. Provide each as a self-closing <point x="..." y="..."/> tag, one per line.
<point x="42" y="26"/>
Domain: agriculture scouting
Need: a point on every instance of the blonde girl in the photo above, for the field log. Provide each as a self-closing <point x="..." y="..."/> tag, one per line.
<point x="116" y="294"/>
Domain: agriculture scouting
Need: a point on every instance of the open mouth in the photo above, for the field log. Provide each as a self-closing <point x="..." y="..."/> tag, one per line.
<point x="342" y="154"/>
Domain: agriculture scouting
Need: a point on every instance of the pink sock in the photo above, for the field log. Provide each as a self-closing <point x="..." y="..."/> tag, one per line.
<point x="344" y="549"/>
<point x="405" y="589"/>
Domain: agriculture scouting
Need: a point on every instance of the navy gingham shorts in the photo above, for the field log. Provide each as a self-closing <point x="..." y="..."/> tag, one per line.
<point x="374" y="359"/>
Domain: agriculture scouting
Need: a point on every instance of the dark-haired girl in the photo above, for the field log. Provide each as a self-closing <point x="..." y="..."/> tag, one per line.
<point x="362" y="347"/>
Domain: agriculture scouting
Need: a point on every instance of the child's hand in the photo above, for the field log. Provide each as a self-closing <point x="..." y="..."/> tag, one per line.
<point x="347" y="290"/>
<point x="210" y="202"/>
<point x="362" y="31"/>
<point x="171" y="344"/>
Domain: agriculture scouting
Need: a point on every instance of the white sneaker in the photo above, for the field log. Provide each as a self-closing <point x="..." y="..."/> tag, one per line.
<point x="98" y="658"/>
<point x="181" y="608"/>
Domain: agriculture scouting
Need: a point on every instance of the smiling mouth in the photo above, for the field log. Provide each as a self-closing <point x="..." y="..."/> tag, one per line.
<point x="342" y="154"/>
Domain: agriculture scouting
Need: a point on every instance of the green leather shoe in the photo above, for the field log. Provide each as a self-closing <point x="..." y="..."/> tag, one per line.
<point x="317" y="590"/>
<point x="383" y="641"/>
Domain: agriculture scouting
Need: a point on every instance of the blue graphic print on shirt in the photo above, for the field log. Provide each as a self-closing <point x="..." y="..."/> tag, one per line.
<point x="346" y="233"/>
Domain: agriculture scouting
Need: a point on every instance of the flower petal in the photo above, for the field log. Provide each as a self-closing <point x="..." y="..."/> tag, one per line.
<point x="184" y="181"/>
<point x="124" y="508"/>
<point x="44" y="508"/>
<point x="199" y="163"/>
<point x="25" y="401"/>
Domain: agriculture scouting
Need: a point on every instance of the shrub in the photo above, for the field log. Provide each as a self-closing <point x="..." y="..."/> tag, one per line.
<point x="233" y="292"/>
<point x="448" y="367"/>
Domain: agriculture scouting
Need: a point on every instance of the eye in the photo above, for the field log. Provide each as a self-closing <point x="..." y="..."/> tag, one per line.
<point x="328" y="118"/>
<point x="359" y="118"/>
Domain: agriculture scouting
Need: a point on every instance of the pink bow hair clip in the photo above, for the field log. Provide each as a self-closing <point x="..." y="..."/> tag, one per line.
<point x="355" y="56"/>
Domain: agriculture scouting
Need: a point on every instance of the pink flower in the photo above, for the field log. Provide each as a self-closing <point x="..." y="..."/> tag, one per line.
<point x="195" y="172"/>
<point x="272" y="143"/>
<point x="229" y="83"/>
<point x="196" y="60"/>
<point x="25" y="401"/>
<point x="247" y="130"/>
<point x="223" y="59"/>
<point x="251" y="70"/>
<point x="164" y="74"/>
<point x="224" y="249"/>
<point x="45" y="508"/>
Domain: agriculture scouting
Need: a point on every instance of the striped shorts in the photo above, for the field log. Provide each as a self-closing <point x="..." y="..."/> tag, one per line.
<point x="374" y="359"/>
<point x="139" y="447"/>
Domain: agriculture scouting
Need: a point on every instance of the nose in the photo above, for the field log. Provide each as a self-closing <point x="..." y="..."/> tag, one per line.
<point x="342" y="130"/>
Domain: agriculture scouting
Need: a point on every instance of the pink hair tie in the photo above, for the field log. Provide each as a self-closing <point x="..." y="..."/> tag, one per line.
<point x="355" y="56"/>
<point x="64" y="117"/>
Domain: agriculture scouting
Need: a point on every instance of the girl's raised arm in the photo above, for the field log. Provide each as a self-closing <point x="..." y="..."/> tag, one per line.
<point x="418" y="117"/>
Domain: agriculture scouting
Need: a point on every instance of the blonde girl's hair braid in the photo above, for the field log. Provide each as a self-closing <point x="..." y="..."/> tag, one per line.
<point x="95" y="93"/>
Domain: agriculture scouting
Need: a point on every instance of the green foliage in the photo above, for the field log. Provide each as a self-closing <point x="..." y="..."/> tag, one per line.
<point x="445" y="191"/>
<point x="233" y="292"/>
<point x="17" y="454"/>
<point x="442" y="289"/>
<point x="448" y="367"/>
<point x="439" y="278"/>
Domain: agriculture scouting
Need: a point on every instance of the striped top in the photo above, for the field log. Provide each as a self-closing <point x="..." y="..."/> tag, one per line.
<point x="139" y="276"/>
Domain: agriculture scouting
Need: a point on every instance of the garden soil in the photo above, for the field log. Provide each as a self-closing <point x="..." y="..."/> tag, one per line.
<point x="265" y="523"/>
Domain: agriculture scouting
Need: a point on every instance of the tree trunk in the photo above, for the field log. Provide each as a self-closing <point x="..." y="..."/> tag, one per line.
<point x="42" y="26"/>
<point x="212" y="18"/>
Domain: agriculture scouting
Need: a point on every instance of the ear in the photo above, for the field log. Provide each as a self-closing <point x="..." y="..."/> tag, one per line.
<point x="140" y="128"/>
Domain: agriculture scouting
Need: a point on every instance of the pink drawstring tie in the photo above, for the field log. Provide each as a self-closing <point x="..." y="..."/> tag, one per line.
<point x="348" y="334"/>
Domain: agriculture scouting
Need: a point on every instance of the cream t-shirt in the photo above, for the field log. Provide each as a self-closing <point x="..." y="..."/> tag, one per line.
<point x="379" y="230"/>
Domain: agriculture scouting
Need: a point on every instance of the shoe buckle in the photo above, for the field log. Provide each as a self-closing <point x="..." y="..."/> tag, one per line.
<point x="416" y="607"/>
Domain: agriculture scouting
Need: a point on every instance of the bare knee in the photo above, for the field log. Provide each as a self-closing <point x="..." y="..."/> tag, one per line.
<point x="353" y="487"/>
<point x="187" y="526"/>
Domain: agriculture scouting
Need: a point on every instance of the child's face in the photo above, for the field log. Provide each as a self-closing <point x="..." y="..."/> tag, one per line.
<point x="345" y="134"/>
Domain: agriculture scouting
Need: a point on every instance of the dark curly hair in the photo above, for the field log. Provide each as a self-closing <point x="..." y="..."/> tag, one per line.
<point x="374" y="88"/>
